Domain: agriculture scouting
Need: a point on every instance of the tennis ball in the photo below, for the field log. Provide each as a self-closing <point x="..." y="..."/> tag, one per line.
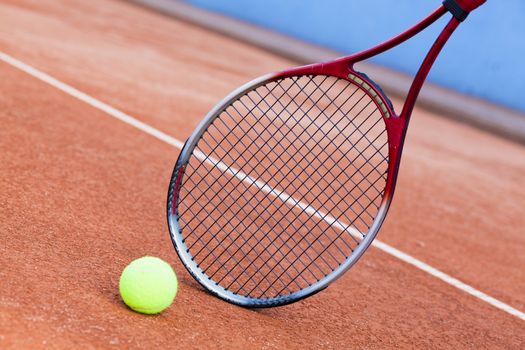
<point x="148" y="285"/>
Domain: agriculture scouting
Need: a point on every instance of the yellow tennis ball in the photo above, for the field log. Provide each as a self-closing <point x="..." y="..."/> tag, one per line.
<point x="148" y="285"/>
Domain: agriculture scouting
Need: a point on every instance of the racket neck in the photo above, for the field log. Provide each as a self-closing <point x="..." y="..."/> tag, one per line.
<point x="407" y="34"/>
<point x="429" y="60"/>
<point x="423" y="71"/>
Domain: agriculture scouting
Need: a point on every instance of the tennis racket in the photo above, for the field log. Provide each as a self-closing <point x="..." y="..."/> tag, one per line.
<point x="286" y="182"/>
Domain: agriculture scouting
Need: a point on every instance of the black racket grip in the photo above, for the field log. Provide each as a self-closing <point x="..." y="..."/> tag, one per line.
<point x="460" y="9"/>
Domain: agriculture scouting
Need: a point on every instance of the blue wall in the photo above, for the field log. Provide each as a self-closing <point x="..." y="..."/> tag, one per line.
<point x="485" y="57"/>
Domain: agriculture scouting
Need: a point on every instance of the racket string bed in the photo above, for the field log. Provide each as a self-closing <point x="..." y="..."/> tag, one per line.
<point x="287" y="148"/>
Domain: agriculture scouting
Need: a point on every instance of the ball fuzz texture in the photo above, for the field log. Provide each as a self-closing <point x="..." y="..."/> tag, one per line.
<point x="148" y="285"/>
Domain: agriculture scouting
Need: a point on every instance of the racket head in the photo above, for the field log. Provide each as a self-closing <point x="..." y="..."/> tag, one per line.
<point x="262" y="256"/>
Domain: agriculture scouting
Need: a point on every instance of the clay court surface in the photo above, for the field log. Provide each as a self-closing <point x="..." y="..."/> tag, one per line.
<point x="82" y="194"/>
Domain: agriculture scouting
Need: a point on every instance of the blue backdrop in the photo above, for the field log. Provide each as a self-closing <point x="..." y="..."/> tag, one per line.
<point x="485" y="57"/>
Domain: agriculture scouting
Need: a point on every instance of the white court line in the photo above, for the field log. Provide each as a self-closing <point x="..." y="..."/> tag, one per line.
<point x="283" y="196"/>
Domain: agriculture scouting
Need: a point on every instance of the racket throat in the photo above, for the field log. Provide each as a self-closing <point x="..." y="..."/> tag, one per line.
<point x="427" y="64"/>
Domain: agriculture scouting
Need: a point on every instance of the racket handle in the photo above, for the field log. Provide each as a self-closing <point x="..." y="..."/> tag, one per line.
<point x="461" y="8"/>
<point x="470" y="5"/>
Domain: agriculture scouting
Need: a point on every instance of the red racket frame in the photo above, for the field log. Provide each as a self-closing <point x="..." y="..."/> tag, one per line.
<point x="396" y="125"/>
